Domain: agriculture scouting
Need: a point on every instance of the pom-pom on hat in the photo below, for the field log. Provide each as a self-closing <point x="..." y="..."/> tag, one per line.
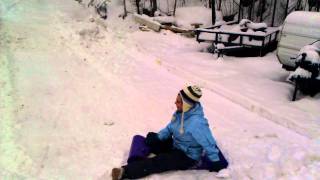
<point x="191" y="94"/>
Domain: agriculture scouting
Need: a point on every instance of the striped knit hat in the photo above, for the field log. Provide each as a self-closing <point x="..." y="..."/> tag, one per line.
<point x="189" y="95"/>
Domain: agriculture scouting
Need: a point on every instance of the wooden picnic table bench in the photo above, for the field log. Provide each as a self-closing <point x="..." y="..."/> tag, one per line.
<point x="230" y="38"/>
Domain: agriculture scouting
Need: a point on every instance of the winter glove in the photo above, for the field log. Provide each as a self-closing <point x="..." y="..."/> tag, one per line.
<point x="152" y="138"/>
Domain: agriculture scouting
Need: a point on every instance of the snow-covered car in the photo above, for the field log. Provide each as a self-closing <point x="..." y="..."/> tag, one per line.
<point x="300" y="28"/>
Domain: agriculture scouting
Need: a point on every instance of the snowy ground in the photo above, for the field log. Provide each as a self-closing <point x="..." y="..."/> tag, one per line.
<point x="75" y="89"/>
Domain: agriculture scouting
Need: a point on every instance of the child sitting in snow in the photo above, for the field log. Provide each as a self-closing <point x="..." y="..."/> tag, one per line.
<point x="180" y="144"/>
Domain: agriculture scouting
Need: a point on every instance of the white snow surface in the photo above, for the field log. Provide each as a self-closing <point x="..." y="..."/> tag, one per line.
<point x="300" y="72"/>
<point x="185" y="16"/>
<point x="82" y="87"/>
<point x="220" y="46"/>
<point x="252" y="25"/>
<point x="312" y="53"/>
<point x="304" y="18"/>
<point x="312" y="56"/>
<point x="257" y="25"/>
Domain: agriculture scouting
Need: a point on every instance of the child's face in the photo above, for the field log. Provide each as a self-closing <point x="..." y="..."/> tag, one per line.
<point x="179" y="103"/>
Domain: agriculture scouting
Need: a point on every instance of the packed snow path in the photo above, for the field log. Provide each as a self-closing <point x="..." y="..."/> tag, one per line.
<point x="75" y="89"/>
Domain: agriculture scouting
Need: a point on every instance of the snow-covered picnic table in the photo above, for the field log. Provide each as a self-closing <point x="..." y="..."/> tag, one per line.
<point x="231" y="35"/>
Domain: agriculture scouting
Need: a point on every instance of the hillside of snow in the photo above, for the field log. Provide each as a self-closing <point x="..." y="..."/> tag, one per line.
<point x="75" y="89"/>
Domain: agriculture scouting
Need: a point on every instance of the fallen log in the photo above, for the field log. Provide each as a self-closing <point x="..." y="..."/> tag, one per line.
<point x="175" y="29"/>
<point x="149" y="22"/>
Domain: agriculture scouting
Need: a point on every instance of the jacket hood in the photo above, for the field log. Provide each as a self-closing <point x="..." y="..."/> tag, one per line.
<point x="195" y="110"/>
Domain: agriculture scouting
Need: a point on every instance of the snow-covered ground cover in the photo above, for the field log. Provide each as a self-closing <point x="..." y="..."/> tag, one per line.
<point x="75" y="89"/>
<point x="258" y="84"/>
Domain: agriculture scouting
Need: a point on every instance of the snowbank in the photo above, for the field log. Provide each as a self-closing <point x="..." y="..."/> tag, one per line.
<point x="304" y="18"/>
<point x="80" y="84"/>
<point x="186" y="16"/>
<point x="300" y="72"/>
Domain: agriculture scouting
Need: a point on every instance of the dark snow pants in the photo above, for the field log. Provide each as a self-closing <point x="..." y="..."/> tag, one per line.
<point x="167" y="159"/>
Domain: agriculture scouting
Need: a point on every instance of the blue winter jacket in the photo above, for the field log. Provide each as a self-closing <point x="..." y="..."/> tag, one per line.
<point x="197" y="136"/>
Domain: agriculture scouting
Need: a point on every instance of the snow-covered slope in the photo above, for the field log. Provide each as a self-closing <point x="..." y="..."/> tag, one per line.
<point x="78" y="89"/>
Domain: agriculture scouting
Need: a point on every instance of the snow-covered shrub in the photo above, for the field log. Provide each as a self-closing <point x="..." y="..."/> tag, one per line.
<point x="311" y="56"/>
<point x="312" y="47"/>
<point x="211" y="48"/>
<point x="220" y="46"/>
<point x="309" y="60"/>
<point x="299" y="73"/>
<point x="307" y="76"/>
<point x="101" y="6"/>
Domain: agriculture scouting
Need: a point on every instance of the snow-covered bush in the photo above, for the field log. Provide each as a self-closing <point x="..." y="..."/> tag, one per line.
<point x="312" y="56"/>
<point x="101" y="6"/>
<point x="307" y="76"/>
<point x="300" y="73"/>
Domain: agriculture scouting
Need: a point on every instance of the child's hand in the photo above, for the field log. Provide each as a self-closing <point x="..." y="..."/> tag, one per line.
<point x="152" y="138"/>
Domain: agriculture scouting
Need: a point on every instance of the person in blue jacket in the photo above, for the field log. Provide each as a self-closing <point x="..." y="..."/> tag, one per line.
<point x="180" y="145"/>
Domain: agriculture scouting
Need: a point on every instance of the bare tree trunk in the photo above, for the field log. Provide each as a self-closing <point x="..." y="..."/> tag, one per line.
<point x="125" y="9"/>
<point x="154" y="6"/>
<point x="286" y="11"/>
<point x="175" y="6"/>
<point x="137" y="4"/>
<point x="240" y="10"/>
<point x="298" y="5"/>
<point x="213" y="9"/>
<point x="274" y="12"/>
<point x="262" y="9"/>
